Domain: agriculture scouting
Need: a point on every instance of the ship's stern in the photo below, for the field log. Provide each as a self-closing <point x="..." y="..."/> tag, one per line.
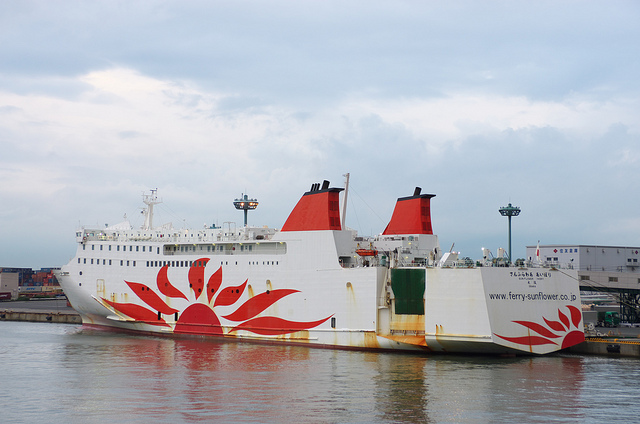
<point x="536" y="310"/>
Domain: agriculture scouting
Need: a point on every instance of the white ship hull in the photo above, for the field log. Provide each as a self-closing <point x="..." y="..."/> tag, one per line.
<point x="318" y="287"/>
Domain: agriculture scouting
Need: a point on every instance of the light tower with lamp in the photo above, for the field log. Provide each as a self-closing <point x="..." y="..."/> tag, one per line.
<point x="245" y="204"/>
<point x="509" y="211"/>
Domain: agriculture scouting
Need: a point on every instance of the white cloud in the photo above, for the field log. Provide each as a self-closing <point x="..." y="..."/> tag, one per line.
<point x="459" y="114"/>
<point x="477" y="103"/>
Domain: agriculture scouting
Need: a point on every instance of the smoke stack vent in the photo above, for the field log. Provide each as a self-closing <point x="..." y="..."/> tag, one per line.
<point x="412" y="215"/>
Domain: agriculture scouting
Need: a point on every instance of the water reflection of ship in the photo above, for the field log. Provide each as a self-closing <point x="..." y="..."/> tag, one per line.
<point x="184" y="380"/>
<point x="474" y="389"/>
<point x="402" y="389"/>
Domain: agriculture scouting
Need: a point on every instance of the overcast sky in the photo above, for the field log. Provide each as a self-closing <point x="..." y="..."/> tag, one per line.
<point x="481" y="103"/>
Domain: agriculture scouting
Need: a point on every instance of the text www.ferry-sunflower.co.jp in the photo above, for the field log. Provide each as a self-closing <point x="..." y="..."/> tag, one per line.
<point x="532" y="296"/>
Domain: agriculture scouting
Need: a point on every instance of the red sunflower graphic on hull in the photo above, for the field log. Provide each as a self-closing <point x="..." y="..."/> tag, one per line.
<point x="200" y="317"/>
<point x="564" y="332"/>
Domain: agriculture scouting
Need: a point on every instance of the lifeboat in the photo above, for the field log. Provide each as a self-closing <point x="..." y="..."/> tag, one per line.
<point x="367" y="252"/>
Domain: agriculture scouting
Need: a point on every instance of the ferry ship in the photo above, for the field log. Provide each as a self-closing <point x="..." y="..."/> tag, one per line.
<point x="315" y="282"/>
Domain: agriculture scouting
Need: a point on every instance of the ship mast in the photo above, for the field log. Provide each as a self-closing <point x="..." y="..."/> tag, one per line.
<point x="344" y="205"/>
<point x="149" y="200"/>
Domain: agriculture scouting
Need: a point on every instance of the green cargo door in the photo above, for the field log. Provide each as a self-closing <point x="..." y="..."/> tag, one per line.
<point x="408" y="288"/>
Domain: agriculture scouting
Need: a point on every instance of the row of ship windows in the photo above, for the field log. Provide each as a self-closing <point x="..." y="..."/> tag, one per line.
<point x="124" y="248"/>
<point x="149" y="249"/>
<point x="105" y="261"/>
<point x="219" y="247"/>
<point x="163" y="263"/>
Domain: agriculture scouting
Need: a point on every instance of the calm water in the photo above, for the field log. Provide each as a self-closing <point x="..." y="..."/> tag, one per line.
<point x="59" y="373"/>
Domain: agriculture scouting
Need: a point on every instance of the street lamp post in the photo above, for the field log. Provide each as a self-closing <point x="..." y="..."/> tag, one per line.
<point x="509" y="211"/>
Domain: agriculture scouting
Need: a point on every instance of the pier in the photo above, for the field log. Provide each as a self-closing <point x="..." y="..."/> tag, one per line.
<point x="608" y="347"/>
<point x="45" y="310"/>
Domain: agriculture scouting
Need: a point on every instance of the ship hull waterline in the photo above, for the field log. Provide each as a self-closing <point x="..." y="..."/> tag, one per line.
<point x="418" y="333"/>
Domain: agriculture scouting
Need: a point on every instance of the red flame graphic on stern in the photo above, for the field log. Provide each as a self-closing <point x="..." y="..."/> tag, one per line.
<point x="196" y="276"/>
<point x="230" y="295"/>
<point x="137" y="312"/>
<point x="151" y="298"/>
<point x="215" y="281"/>
<point x="273" y="326"/>
<point x="545" y="334"/>
<point x="165" y="287"/>
<point x="199" y="317"/>
<point x="258" y="303"/>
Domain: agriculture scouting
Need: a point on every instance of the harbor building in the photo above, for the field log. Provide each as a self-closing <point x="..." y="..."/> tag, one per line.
<point x="601" y="269"/>
<point x="30" y="283"/>
<point x="8" y="285"/>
